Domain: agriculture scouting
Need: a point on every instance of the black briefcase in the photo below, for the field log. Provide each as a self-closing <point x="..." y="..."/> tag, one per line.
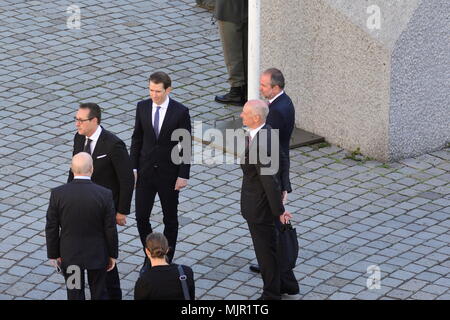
<point x="288" y="245"/>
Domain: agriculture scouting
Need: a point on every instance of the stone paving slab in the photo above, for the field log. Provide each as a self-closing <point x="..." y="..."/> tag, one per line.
<point x="349" y="215"/>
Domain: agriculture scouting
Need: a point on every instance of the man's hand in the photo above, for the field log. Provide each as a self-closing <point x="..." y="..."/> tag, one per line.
<point x="181" y="183"/>
<point x="56" y="263"/>
<point x="121" y="219"/>
<point x="111" y="264"/>
<point x="284" y="196"/>
<point x="285" y="217"/>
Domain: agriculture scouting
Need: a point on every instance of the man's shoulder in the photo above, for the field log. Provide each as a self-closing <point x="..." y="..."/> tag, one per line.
<point x="109" y="136"/>
<point x="282" y="100"/>
<point x="175" y="104"/>
<point x="144" y="102"/>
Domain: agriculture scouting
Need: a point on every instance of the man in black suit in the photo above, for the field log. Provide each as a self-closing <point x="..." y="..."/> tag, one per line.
<point x="155" y="155"/>
<point x="261" y="201"/>
<point x="81" y="231"/>
<point x="282" y="117"/>
<point x="112" y="170"/>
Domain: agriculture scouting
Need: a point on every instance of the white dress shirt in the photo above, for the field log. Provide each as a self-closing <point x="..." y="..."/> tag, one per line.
<point x="82" y="177"/>
<point x="273" y="99"/>
<point x="162" y="112"/>
<point x="94" y="138"/>
<point x="253" y="132"/>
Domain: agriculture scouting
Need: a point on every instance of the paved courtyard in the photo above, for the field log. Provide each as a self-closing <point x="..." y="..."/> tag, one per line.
<point x="349" y="214"/>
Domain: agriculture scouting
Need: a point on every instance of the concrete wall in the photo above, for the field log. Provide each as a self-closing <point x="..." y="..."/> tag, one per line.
<point x="348" y="82"/>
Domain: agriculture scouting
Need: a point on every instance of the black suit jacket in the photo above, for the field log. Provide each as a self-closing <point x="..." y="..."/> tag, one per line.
<point x="261" y="193"/>
<point x="282" y="117"/>
<point x="81" y="225"/>
<point x="149" y="154"/>
<point x="112" y="168"/>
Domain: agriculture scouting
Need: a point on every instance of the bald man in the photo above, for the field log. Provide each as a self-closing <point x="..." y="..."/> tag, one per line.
<point x="261" y="198"/>
<point x="81" y="231"/>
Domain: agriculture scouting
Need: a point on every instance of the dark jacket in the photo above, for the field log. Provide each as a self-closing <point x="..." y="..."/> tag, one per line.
<point x="112" y="167"/>
<point x="261" y="192"/>
<point x="149" y="154"/>
<point x="282" y="117"/>
<point x="81" y="225"/>
<point x="163" y="283"/>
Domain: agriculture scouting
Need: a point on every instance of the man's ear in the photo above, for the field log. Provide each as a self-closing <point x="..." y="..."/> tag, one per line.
<point x="168" y="90"/>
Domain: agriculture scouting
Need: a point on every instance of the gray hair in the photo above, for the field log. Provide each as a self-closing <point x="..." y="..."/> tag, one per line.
<point x="276" y="77"/>
<point x="259" y="107"/>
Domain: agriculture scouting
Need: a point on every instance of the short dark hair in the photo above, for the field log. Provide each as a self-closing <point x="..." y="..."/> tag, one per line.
<point x="276" y="77"/>
<point x="94" y="110"/>
<point x="161" y="77"/>
<point x="157" y="244"/>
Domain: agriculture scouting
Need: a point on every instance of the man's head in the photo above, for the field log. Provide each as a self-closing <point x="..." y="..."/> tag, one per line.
<point x="254" y="113"/>
<point x="159" y="85"/>
<point x="271" y="83"/>
<point x="82" y="164"/>
<point x="88" y="118"/>
<point x="156" y="245"/>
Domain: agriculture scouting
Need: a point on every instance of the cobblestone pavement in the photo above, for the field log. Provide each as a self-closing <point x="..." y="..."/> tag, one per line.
<point x="349" y="215"/>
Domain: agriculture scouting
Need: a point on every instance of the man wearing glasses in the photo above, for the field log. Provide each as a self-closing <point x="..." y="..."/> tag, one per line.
<point x="112" y="170"/>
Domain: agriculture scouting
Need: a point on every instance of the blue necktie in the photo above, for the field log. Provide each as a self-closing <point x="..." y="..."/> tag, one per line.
<point x="156" y="122"/>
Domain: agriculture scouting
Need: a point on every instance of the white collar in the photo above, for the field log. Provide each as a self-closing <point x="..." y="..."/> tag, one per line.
<point x="253" y="132"/>
<point x="96" y="134"/>
<point x="82" y="177"/>
<point x="273" y="99"/>
<point x="163" y="105"/>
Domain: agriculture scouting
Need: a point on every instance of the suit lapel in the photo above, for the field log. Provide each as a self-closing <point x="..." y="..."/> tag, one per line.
<point x="167" y="118"/>
<point x="148" y="117"/>
<point x="99" y="145"/>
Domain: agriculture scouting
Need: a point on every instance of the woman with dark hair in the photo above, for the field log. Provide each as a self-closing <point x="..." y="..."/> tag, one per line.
<point x="163" y="281"/>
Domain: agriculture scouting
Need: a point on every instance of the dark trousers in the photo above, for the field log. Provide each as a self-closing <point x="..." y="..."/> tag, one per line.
<point x="96" y="280"/>
<point x="145" y="198"/>
<point x="113" y="284"/>
<point x="264" y="239"/>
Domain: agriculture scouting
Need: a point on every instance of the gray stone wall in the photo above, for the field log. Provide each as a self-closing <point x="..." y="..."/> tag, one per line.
<point x="345" y="78"/>
<point x="420" y="86"/>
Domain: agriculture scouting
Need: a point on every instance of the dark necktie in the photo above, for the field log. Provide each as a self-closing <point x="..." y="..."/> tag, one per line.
<point x="156" y="122"/>
<point x="87" y="147"/>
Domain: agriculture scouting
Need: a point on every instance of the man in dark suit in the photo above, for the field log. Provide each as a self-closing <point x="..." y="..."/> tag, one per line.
<point x="261" y="202"/>
<point x="282" y="117"/>
<point x="81" y="231"/>
<point x="112" y="170"/>
<point x="281" y="113"/>
<point x="155" y="155"/>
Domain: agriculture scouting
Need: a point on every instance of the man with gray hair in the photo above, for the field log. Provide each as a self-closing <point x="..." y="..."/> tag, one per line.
<point x="81" y="231"/>
<point x="261" y="202"/>
<point x="282" y="117"/>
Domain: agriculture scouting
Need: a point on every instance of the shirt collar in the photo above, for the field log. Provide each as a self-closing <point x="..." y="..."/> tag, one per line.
<point x="96" y="134"/>
<point x="164" y="105"/>
<point x="82" y="177"/>
<point x="253" y="132"/>
<point x="273" y="99"/>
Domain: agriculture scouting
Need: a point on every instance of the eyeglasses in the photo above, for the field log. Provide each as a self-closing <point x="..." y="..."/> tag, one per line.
<point x="82" y="120"/>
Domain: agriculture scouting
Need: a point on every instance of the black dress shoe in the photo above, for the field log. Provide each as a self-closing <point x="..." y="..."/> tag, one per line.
<point x="236" y="96"/>
<point x="255" y="268"/>
<point x="290" y="291"/>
